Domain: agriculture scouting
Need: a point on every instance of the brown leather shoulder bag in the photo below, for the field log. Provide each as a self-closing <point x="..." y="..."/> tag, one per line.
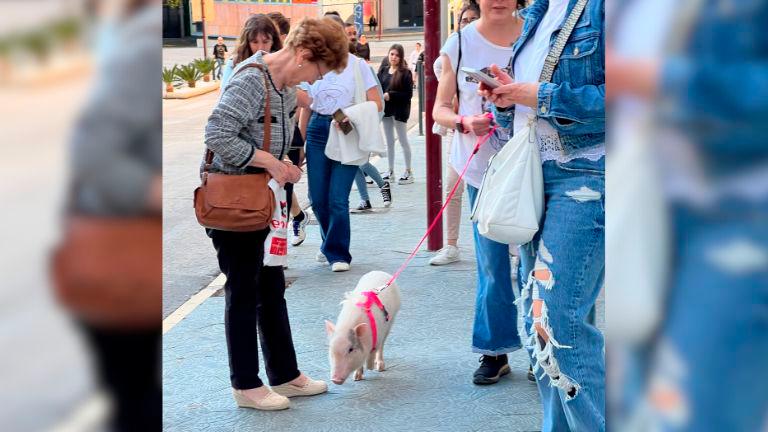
<point x="230" y="202"/>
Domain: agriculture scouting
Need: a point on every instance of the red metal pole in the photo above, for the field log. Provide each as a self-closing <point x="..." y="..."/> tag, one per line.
<point x="379" y="22"/>
<point x="205" y="36"/>
<point x="434" y="146"/>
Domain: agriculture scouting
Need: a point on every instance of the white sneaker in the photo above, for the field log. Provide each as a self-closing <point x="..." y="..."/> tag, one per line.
<point x="320" y="257"/>
<point x="299" y="230"/>
<point x="340" y="266"/>
<point x="446" y="255"/>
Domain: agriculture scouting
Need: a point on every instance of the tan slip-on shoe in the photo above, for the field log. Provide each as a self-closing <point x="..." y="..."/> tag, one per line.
<point x="310" y="388"/>
<point x="272" y="402"/>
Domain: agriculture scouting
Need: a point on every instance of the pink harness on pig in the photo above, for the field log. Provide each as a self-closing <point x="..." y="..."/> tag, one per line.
<point x="371" y="298"/>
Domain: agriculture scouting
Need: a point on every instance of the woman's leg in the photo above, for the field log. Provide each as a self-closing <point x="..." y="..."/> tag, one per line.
<point x="275" y="329"/>
<point x="240" y="256"/>
<point x="362" y="187"/>
<point x="389" y="133"/>
<point x="453" y="211"/>
<point x="402" y="136"/>
<point x="562" y="272"/>
<point x="319" y="171"/>
<point x="336" y="244"/>
<point x="495" y="326"/>
<point x="373" y="173"/>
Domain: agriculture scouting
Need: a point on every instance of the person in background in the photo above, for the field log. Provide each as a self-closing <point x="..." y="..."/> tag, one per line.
<point x="413" y="58"/>
<point x="397" y="84"/>
<point x="255" y="309"/>
<point x="363" y="49"/>
<point x="259" y="34"/>
<point x="372" y="23"/>
<point x="220" y="55"/>
<point x="330" y="182"/>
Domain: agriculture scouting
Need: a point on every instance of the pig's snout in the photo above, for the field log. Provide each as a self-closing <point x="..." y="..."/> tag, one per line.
<point x="338" y="381"/>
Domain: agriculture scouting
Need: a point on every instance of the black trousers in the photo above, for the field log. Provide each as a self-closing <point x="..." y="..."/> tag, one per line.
<point x="255" y="311"/>
<point x="127" y="363"/>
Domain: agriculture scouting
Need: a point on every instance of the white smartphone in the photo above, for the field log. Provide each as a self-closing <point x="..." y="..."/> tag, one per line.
<point x="481" y="77"/>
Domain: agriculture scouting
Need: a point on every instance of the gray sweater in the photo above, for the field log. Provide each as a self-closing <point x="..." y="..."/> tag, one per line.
<point x="236" y="127"/>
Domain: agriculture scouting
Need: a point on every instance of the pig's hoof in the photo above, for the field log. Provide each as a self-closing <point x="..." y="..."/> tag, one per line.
<point x="358" y="376"/>
<point x="380" y="366"/>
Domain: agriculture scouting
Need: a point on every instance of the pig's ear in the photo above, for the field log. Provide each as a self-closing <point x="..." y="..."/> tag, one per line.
<point x="329" y="328"/>
<point x="363" y="332"/>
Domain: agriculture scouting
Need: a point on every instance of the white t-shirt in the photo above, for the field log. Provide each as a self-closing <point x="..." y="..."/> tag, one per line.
<point x="530" y="61"/>
<point x="478" y="53"/>
<point x="337" y="91"/>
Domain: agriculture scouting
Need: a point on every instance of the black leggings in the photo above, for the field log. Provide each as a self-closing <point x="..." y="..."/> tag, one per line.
<point x="255" y="308"/>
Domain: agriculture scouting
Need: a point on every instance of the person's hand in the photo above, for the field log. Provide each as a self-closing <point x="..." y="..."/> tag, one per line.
<point x="510" y="92"/>
<point x="386" y="96"/>
<point x="294" y="172"/>
<point x="500" y="76"/>
<point x="279" y="171"/>
<point x="478" y="124"/>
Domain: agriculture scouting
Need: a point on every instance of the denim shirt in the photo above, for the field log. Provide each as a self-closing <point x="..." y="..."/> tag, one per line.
<point x="716" y="87"/>
<point x="574" y="101"/>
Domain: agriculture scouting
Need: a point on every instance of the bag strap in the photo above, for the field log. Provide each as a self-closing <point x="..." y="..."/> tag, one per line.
<point x="557" y="49"/>
<point x="267" y="118"/>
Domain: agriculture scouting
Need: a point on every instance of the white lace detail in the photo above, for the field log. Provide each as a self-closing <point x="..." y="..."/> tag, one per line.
<point x="551" y="148"/>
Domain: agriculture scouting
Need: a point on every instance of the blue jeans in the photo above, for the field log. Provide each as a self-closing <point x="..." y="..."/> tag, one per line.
<point x="495" y="328"/>
<point x="570" y="244"/>
<point x="329" y="185"/>
<point x="373" y="173"/>
<point x="712" y="345"/>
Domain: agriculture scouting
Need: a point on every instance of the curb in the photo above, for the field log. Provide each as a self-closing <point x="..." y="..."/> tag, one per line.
<point x="186" y="93"/>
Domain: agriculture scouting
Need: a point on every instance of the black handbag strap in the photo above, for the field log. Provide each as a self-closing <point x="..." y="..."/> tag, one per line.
<point x="267" y="118"/>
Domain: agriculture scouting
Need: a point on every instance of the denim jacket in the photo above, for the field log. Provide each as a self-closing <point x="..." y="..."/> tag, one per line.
<point x="716" y="87"/>
<point x="574" y="101"/>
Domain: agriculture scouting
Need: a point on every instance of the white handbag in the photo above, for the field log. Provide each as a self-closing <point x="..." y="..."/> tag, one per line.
<point x="276" y="243"/>
<point x="510" y="201"/>
<point x="511" y="197"/>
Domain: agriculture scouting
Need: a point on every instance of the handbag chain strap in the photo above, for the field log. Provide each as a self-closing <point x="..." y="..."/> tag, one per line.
<point x="557" y="49"/>
<point x="267" y="119"/>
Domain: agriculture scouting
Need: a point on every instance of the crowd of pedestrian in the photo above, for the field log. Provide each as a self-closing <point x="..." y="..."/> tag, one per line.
<point x="315" y="79"/>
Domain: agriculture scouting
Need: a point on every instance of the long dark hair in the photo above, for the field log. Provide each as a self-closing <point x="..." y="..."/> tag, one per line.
<point x="255" y="25"/>
<point x="398" y="78"/>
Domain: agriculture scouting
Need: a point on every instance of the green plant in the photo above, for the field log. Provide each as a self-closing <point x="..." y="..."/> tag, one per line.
<point x="38" y="43"/>
<point x="205" y="66"/>
<point x="175" y="4"/>
<point x="170" y="75"/>
<point x="189" y="74"/>
<point x="67" y="29"/>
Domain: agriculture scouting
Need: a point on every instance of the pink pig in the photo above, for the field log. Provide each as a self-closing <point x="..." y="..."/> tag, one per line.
<point x="351" y="339"/>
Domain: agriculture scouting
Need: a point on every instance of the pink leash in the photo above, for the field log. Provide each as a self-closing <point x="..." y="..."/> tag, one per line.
<point x="372" y="297"/>
<point x="480" y="141"/>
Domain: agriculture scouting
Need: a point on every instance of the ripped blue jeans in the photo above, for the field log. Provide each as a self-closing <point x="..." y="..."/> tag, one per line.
<point x="570" y="245"/>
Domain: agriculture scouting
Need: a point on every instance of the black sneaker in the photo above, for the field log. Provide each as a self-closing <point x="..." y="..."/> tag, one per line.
<point x="531" y="376"/>
<point x="491" y="369"/>
<point x="365" y="206"/>
<point x="407" y="178"/>
<point x="386" y="194"/>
